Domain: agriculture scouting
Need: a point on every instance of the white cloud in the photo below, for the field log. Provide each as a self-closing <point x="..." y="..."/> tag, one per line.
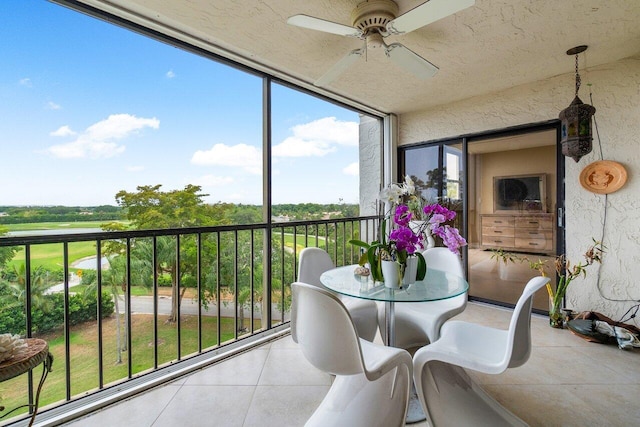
<point x="25" y="82"/>
<point x="170" y="74"/>
<point x="317" y="138"/>
<point x="245" y="156"/>
<point x="135" y="168"/>
<point x="353" y="169"/>
<point x="63" y="131"/>
<point x="91" y="149"/>
<point x="53" y="106"/>
<point x="118" y="126"/>
<point x="97" y="140"/>
<point x="213" y="181"/>
<point x="298" y="147"/>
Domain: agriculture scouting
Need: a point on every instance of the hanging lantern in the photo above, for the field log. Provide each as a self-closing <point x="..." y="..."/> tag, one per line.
<point x="575" y="120"/>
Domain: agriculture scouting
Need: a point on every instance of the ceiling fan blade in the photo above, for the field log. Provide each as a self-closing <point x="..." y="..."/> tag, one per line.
<point x="339" y="67"/>
<point x="318" y="24"/>
<point x="410" y="61"/>
<point x="426" y="13"/>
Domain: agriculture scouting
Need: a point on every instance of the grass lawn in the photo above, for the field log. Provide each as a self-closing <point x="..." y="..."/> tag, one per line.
<point x="55" y="225"/>
<point x="50" y="255"/>
<point x="300" y="242"/>
<point x="83" y="361"/>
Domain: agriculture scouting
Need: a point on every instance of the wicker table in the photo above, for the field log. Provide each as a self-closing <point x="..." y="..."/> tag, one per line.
<point x="37" y="352"/>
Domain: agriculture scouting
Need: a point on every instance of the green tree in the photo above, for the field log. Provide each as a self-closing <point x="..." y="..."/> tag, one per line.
<point x="151" y="208"/>
<point x="16" y="288"/>
<point x="6" y="252"/>
<point x="115" y="279"/>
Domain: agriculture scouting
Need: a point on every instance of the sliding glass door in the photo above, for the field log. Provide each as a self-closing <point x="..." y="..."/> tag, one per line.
<point x="506" y="188"/>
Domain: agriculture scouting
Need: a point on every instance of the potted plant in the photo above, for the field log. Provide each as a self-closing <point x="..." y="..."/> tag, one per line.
<point x="405" y="240"/>
<point x="566" y="271"/>
<point x="401" y="247"/>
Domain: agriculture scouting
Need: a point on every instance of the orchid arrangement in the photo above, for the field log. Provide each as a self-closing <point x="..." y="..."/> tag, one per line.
<point x="435" y="215"/>
<point x="404" y="239"/>
<point x="401" y="243"/>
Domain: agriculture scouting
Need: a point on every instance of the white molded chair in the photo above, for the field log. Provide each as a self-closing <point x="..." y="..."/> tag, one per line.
<point x="419" y="323"/>
<point x="372" y="381"/>
<point x="449" y="397"/>
<point x="315" y="261"/>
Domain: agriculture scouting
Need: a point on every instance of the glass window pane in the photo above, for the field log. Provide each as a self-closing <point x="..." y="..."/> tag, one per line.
<point x="315" y="153"/>
<point x="96" y="109"/>
<point x="422" y="165"/>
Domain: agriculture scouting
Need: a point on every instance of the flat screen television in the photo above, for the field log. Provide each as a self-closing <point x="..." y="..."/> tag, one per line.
<point x="520" y="193"/>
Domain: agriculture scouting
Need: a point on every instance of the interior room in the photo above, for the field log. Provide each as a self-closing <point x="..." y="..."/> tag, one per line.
<point x="512" y="205"/>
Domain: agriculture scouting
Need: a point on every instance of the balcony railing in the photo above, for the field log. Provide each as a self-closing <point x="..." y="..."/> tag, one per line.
<point x="155" y="304"/>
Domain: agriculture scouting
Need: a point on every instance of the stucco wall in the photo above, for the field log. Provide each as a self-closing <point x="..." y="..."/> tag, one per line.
<point x="616" y="96"/>
<point x="370" y="154"/>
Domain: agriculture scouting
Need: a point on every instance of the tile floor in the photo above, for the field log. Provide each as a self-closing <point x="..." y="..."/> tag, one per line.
<point x="567" y="382"/>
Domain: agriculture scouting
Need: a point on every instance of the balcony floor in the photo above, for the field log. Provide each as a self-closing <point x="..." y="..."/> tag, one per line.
<point x="567" y="382"/>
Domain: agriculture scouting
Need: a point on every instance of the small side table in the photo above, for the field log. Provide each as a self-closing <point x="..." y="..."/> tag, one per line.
<point x="37" y="352"/>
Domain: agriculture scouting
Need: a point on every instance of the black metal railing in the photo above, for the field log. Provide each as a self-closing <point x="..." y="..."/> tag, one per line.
<point x="155" y="298"/>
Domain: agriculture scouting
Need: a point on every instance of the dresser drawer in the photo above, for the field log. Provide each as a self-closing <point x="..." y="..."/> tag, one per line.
<point x="498" y="231"/>
<point x="498" y="242"/>
<point x="531" y="233"/>
<point x="498" y="221"/>
<point x="534" y="245"/>
<point x="536" y="223"/>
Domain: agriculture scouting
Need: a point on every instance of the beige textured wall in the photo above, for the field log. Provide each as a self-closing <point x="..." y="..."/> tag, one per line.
<point x="616" y="96"/>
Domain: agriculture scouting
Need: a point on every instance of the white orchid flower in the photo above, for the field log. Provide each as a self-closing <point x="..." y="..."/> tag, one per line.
<point x="391" y="194"/>
<point x="409" y="186"/>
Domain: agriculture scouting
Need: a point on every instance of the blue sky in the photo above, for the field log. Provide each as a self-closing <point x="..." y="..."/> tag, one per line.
<point x="89" y="109"/>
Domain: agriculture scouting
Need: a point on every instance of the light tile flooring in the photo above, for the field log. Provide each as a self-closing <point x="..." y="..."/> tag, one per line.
<point x="567" y="382"/>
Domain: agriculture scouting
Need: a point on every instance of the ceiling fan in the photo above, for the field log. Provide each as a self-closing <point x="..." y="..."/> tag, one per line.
<point x="372" y="21"/>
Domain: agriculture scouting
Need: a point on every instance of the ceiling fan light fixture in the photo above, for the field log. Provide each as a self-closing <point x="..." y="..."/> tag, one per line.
<point x="374" y="14"/>
<point x="375" y="41"/>
<point x="372" y="21"/>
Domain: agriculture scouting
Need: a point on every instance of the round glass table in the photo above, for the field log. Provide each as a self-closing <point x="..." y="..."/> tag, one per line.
<point x="437" y="285"/>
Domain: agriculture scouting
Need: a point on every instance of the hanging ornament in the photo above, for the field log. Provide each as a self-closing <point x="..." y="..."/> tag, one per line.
<point x="575" y="120"/>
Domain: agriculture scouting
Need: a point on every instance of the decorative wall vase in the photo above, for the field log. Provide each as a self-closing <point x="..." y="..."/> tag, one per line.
<point x="410" y="271"/>
<point x="555" y="313"/>
<point x="391" y="274"/>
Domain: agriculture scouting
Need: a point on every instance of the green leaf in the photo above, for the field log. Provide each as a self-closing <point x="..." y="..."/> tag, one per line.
<point x="422" y="267"/>
<point x="360" y="243"/>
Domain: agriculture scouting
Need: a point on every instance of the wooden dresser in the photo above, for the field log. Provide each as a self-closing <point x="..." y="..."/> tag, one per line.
<point x="519" y="232"/>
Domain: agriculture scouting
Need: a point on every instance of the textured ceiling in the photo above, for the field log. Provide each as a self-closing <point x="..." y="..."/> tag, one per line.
<point x="491" y="46"/>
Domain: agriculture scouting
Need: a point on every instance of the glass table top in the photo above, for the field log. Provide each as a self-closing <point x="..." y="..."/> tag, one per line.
<point x="437" y="285"/>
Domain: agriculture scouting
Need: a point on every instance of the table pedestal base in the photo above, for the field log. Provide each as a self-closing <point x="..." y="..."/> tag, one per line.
<point x="415" y="414"/>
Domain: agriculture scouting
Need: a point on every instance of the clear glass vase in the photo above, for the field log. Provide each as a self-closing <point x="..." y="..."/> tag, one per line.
<point x="555" y="313"/>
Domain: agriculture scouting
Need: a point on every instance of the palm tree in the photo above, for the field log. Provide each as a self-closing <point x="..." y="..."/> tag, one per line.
<point x="16" y="283"/>
<point x="115" y="278"/>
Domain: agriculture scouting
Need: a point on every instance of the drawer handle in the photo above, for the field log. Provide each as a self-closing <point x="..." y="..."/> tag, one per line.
<point x="497" y="231"/>
<point x="533" y="222"/>
<point x="498" y="222"/>
<point x="498" y="241"/>
<point x="533" y="244"/>
<point x="532" y="232"/>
